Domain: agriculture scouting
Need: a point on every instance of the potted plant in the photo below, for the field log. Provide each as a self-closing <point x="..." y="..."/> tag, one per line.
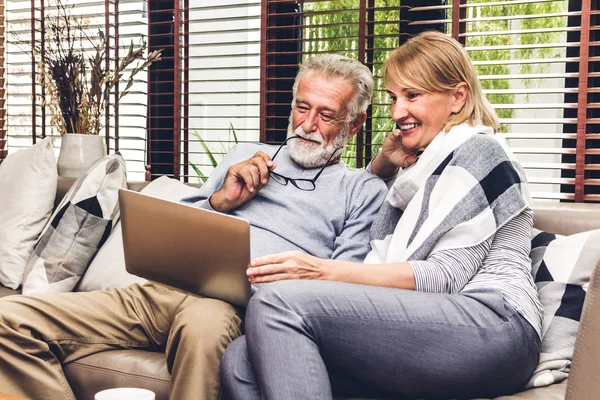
<point x="78" y="83"/>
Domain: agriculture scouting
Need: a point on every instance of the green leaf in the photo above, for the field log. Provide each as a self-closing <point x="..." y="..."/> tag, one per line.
<point x="209" y="153"/>
<point x="198" y="172"/>
<point x="235" y="139"/>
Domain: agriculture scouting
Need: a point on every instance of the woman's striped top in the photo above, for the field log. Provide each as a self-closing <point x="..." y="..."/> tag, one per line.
<point x="500" y="262"/>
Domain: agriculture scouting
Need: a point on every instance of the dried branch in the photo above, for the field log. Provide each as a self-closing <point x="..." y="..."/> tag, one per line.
<point x="78" y="84"/>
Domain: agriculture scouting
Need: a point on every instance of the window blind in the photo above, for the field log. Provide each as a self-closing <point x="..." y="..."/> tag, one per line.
<point x="228" y="68"/>
<point x="215" y="47"/>
<point x="535" y="71"/>
<point x="537" y="61"/>
<point x="224" y="78"/>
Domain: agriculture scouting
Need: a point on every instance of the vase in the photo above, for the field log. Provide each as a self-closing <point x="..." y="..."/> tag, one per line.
<point x="78" y="152"/>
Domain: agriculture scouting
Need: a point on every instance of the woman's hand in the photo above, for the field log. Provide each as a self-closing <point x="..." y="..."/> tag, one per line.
<point x="392" y="156"/>
<point x="396" y="153"/>
<point x="289" y="265"/>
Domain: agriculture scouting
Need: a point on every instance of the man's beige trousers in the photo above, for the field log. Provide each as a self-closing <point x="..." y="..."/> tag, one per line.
<point x="40" y="333"/>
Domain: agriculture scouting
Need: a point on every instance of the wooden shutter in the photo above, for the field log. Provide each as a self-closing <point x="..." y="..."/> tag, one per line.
<point x="3" y="132"/>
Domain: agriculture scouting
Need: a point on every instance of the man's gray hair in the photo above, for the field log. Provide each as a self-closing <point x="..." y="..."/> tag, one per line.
<point x="355" y="73"/>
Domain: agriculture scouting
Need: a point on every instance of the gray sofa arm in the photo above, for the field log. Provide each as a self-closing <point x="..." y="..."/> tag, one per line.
<point x="583" y="382"/>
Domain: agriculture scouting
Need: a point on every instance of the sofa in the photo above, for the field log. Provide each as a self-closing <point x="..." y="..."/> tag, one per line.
<point x="135" y="368"/>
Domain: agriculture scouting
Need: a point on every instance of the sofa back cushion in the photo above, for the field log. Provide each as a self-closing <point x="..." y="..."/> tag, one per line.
<point x="565" y="218"/>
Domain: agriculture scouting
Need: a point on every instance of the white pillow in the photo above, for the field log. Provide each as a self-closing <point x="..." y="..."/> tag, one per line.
<point x="27" y="190"/>
<point x="107" y="270"/>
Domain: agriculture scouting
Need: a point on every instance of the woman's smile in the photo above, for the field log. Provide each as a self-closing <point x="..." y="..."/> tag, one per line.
<point x="408" y="129"/>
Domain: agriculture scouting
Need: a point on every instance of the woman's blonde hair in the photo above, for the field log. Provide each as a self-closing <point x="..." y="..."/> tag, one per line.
<point x="434" y="62"/>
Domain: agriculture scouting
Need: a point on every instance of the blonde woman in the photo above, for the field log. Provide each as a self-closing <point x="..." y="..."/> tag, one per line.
<point x="444" y="306"/>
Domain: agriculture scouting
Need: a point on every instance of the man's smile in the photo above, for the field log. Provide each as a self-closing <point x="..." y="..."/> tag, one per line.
<point x="310" y="140"/>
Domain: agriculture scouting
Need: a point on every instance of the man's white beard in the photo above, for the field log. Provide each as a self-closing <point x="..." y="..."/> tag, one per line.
<point x="310" y="154"/>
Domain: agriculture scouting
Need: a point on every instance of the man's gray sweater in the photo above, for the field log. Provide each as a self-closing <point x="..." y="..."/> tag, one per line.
<point x="333" y="221"/>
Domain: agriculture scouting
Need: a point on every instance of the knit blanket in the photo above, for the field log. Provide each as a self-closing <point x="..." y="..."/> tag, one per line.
<point x="465" y="186"/>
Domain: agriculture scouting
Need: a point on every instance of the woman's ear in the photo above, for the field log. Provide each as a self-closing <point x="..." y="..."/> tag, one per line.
<point x="357" y="124"/>
<point x="459" y="97"/>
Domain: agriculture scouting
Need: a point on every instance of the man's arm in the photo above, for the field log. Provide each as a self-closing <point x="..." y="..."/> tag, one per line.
<point x="214" y="181"/>
<point x="352" y="244"/>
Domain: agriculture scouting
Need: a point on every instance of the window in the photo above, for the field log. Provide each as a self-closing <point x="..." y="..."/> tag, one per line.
<point x="195" y="103"/>
<point x="537" y="61"/>
<point x="228" y="67"/>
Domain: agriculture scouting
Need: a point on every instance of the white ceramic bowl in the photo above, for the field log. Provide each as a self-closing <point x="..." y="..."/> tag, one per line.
<point x="125" y="394"/>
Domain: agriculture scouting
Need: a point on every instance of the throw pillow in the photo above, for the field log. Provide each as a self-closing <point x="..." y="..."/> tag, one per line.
<point x="27" y="190"/>
<point x="107" y="271"/>
<point x="79" y="226"/>
<point x="562" y="267"/>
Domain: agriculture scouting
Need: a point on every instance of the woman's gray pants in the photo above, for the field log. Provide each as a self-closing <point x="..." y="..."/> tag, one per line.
<point x="381" y="340"/>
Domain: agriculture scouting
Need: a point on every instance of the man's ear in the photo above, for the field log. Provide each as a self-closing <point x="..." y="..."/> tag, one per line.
<point x="459" y="97"/>
<point x="357" y="124"/>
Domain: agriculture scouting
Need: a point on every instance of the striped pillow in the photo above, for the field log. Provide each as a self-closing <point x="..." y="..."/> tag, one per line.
<point x="79" y="226"/>
<point x="562" y="267"/>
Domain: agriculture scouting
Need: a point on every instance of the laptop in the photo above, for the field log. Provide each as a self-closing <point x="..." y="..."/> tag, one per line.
<point x="184" y="247"/>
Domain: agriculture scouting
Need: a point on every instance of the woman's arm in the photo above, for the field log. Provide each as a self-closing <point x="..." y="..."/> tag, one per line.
<point x="445" y="271"/>
<point x="392" y="156"/>
<point x="397" y="275"/>
<point x="298" y="265"/>
<point x="448" y="271"/>
<point x="382" y="167"/>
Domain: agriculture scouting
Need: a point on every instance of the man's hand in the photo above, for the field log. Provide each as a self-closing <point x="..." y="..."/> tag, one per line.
<point x="242" y="182"/>
<point x="289" y="265"/>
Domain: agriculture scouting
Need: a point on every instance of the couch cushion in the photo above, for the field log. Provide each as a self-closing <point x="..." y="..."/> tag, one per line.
<point x="119" y="368"/>
<point x="4" y="291"/>
<point x="148" y="370"/>
<point x="79" y="226"/>
<point x="562" y="266"/>
<point x="552" y="392"/>
<point x="108" y="268"/>
<point x="27" y="190"/>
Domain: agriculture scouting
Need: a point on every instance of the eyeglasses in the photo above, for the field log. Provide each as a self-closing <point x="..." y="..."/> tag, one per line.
<point x="300" y="183"/>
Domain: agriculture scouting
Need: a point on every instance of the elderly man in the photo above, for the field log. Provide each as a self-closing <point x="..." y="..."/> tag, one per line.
<point x="296" y="197"/>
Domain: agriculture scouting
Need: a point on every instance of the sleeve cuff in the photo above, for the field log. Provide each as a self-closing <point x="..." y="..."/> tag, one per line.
<point x="205" y="205"/>
<point x="389" y="181"/>
<point x="422" y="270"/>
